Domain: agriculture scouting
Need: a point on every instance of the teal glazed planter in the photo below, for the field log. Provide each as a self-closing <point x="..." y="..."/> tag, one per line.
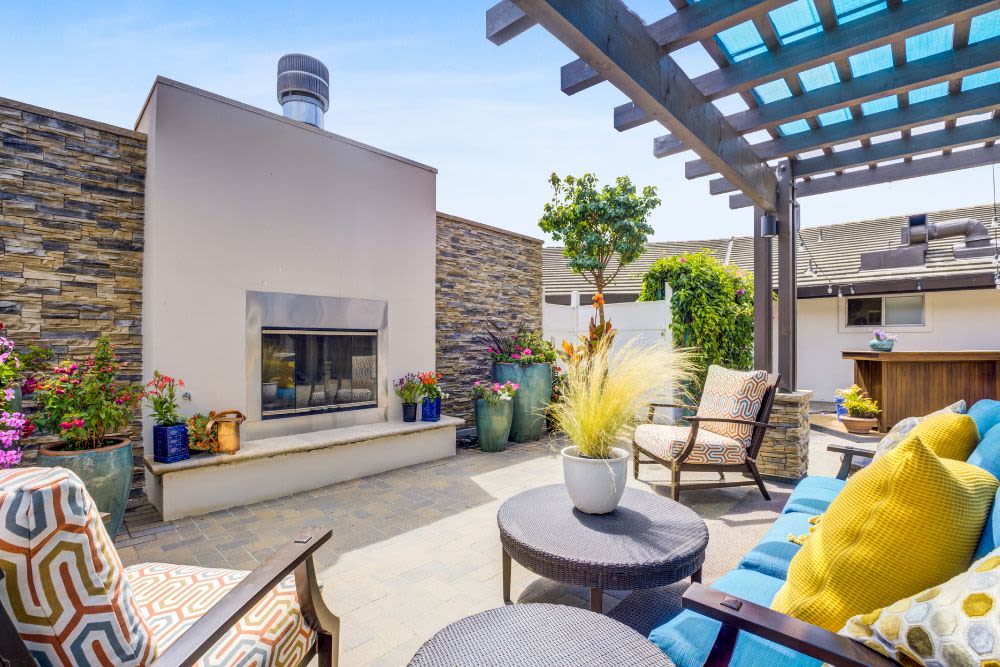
<point x="106" y="472"/>
<point x="530" y="400"/>
<point x="881" y="345"/>
<point x="493" y="424"/>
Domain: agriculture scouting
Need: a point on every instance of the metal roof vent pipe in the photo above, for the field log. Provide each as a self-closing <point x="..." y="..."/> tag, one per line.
<point x="918" y="231"/>
<point x="303" y="88"/>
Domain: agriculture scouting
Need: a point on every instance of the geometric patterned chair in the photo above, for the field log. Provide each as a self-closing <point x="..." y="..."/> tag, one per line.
<point x="724" y="436"/>
<point x="66" y="599"/>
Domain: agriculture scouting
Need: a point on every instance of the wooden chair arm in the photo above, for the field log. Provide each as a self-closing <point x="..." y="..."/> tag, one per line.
<point x="726" y="420"/>
<point x="653" y="406"/>
<point x="13" y="652"/>
<point x="208" y="629"/>
<point x="849" y="454"/>
<point x="737" y="615"/>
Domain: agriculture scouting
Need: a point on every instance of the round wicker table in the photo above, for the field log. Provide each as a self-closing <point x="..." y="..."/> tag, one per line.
<point x="647" y="542"/>
<point x="546" y="635"/>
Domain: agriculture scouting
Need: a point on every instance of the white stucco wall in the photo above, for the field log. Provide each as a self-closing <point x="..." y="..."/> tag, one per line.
<point x="238" y="199"/>
<point x="959" y="320"/>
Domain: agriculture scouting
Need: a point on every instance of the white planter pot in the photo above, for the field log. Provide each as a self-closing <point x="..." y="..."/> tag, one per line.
<point x="595" y="485"/>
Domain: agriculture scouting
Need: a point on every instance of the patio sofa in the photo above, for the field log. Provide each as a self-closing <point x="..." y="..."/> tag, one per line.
<point x="730" y="623"/>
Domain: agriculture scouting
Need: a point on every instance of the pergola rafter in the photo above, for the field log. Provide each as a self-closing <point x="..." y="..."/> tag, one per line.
<point x="850" y="95"/>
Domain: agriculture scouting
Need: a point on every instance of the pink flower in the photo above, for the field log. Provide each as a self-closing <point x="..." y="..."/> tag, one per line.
<point x="78" y="423"/>
<point x="65" y="426"/>
<point x="683" y="260"/>
<point x="527" y="351"/>
<point x="496" y="386"/>
<point x="515" y="356"/>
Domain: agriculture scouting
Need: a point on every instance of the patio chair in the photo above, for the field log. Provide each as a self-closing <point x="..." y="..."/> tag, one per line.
<point x="66" y="599"/>
<point x="724" y="436"/>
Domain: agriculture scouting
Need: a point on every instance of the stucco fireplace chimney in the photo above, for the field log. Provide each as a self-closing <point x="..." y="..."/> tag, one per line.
<point x="303" y="88"/>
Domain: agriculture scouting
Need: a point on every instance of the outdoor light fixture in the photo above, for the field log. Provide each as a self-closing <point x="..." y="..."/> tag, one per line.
<point x="768" y="225"/>
<point x="829" y="288"/>
<point x="920" y="287"/>
<point x="852" y="288"/>
<point x="840" y="293"/>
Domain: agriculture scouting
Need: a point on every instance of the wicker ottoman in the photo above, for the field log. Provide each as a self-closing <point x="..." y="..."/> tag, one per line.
<point x="546" y="635"/>
<point x="647" y="542"/>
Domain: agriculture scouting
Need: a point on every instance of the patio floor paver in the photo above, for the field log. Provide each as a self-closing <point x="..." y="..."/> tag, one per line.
<point x="418" y="548"/>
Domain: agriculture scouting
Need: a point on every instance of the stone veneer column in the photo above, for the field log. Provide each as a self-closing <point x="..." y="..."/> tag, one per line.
<point x="484" y="274"/>
<point x="785" y="452"/>
<point x="71" y="237"/>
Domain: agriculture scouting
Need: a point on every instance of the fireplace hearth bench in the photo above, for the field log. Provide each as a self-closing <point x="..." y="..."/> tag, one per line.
<point x="273" y="467"/>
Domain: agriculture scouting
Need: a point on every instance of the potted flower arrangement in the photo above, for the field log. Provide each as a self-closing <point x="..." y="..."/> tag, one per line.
<point x="432" y="393"/>
<point x="881" y="341"/>
<point x="862" y="411"/>
<point x="602" y="394"/>
<point x="525" y="359"/>
<point x="170" y="433"/>
<point x="409" y="388"/>
<point x="13" y="424"/>
<point x="494" y="410"/>
<point x="201" y="437"/>
<point x="83" y="405"/>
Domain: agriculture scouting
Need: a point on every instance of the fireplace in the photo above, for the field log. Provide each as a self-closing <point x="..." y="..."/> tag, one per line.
<point x="317" y="370"/>
<point x="314" y="363"/>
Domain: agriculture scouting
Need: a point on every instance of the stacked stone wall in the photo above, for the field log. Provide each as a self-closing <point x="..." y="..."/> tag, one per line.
<point x="785" y="452"/>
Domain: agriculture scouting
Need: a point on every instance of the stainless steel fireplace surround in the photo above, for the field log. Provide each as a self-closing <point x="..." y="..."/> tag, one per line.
<point x="314" y="362"/>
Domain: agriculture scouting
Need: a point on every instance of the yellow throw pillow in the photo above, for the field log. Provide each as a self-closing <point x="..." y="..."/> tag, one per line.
<point x="955" y="623"/>
<point x="905" y="523"/>
<point x="949" y="435"/>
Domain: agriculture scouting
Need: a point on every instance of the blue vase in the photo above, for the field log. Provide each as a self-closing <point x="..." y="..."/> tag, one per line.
<point x="431" y="410"/>
<point x="881" y="345"/>
<point x="170" y="443"/>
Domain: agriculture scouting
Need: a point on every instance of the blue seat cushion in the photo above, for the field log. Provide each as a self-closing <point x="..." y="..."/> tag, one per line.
<point x="986" y="414"/>
<point x="986" y="455"/>
<point x="990" y="539"/>
<point x="774" y="552"/>
<point x="688" y="637"/>
<point x="813" y="495"/>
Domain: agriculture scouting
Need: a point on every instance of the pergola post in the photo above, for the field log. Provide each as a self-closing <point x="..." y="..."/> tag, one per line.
<point x="763" y="303"/>
<point x="787" y="289"/>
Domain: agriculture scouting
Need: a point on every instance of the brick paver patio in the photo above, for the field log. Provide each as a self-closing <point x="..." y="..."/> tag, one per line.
<point x="417" y="548"/>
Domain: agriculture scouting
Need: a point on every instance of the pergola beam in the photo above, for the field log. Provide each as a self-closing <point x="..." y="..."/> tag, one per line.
<point x="863" y="34"/>
<point x="945" y="108"/>
<point x="946" y="66"/>
<point x="614" y="41"/>
<point x="687" y="26"/>
<point x="928" y="166"/>
<point x="504" y="22"/>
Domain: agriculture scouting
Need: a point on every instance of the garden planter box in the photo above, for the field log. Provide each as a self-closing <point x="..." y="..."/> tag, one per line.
<point x="531" y="399"/>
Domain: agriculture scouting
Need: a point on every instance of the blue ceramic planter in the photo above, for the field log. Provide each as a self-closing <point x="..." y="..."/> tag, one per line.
<point x="431" y="410"/>
<point x="881" y="345"/>
<point x="531" y="399"/>
<point x="106" y="472"/>
<point x="170" y="443"/>
<point x="493" y="424"/>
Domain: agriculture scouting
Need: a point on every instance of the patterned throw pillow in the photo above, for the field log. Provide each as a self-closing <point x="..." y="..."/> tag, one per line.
<point x="955" y="623"/>
<point x="732" y="394"/>
<point x="902" y="429"/>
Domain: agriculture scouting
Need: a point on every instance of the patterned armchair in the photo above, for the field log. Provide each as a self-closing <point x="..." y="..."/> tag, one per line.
<point x="724" y="436"/>
<point x="66" y="599"/>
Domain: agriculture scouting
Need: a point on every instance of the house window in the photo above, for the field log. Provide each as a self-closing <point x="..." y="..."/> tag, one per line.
<point x="885" y="311"/>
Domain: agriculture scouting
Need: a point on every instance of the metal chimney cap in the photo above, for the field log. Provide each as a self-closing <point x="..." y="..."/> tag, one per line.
<point x="300" y="76"/>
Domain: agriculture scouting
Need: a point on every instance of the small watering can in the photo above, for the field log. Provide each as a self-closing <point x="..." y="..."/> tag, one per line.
<point x="228" y="423"/>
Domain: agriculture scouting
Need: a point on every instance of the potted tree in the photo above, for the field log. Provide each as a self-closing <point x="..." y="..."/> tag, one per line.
<point x="84" y="405"/>
<point x="494" y="410"/>
<point x="525" y="359"/>
<point x="602" y="394"/>
<point x="170" y="433"/>
<point x="862" y="411"/>
<point x="409" y="389"/>
<point x="432" y="393"/>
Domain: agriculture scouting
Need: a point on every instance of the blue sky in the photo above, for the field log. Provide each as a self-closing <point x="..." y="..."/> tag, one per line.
<point x="415" y="78"/>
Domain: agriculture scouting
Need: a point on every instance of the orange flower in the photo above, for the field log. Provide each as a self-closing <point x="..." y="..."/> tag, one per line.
<point x="598" y="300"/>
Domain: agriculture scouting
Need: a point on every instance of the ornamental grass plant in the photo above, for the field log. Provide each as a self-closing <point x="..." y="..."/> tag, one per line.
<point x="604" y="393"/>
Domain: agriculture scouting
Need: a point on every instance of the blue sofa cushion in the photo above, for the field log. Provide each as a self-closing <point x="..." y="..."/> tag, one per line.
<point x="986" y="455"/>
<point x="813" y="495"/>
<point x="986" y="414"/>
<point x="688" y="637"/>
<point x="990" y="539"/>
<point x="774" y="552"/>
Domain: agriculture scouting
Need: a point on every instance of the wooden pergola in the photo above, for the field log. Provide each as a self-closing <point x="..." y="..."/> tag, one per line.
<point x="850" y="92"/>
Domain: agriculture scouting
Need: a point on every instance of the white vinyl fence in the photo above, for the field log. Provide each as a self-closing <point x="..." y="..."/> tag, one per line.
<point x="643" y="320"/>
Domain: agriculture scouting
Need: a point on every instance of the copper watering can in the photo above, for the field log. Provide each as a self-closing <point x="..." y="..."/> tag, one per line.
<point x="228" y="422"/>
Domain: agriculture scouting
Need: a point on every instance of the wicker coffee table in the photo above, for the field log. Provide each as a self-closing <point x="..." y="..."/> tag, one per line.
<point x="542" y="635"/>
<point x="647" y="542"/>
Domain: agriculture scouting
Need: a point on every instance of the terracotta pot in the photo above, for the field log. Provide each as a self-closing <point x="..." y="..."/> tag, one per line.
<point x="859" y="425"/>
<point x="595" y="486"/>
<point x="105" y="471"/>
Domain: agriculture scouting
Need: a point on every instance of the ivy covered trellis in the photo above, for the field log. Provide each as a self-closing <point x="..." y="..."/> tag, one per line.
<point x="711" y="307"/>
